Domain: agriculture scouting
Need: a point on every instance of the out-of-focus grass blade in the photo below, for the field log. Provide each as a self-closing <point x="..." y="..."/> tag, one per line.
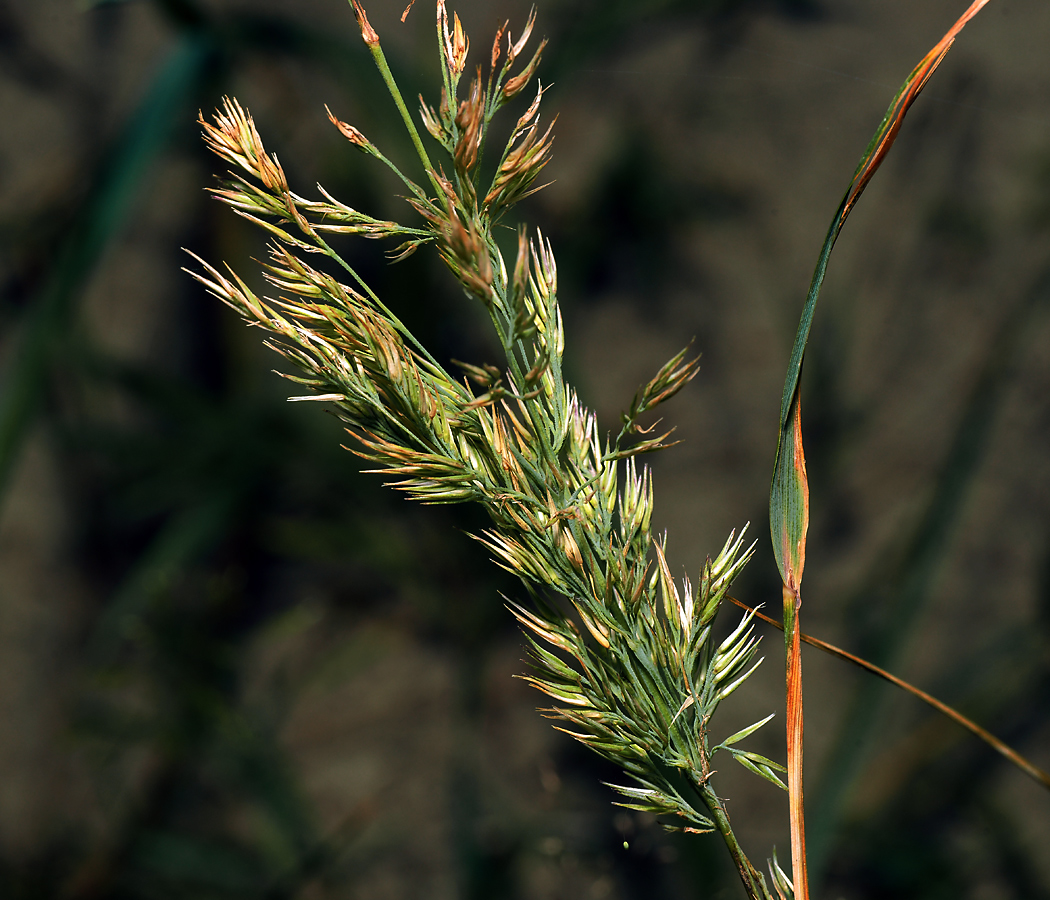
<point x="100" y="219"/>
<point x="789" y="492"/>
<point x="203" y="475"/>
<point x="181" y="862"/>
<point x="183" y="539"/>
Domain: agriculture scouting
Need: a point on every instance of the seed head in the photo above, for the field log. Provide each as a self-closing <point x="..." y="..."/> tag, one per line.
<point x="514" y="85"/>
<point x="348" y="131"/>
<point x="469" y="120"/>
<point x="456" y="43"/>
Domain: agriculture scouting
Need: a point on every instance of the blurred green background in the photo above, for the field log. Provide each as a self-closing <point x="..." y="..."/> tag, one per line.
<point x="232" y="667"/>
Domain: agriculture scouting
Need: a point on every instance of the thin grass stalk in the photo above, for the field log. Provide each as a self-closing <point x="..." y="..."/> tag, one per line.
<point x="1025" y="765"/>
<point x="371" y="39"/>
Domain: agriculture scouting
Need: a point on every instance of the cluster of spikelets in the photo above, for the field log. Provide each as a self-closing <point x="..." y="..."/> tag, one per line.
<point x="625" y="653"/>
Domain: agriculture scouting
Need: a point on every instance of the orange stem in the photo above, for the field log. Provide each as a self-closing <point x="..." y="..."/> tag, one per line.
<point x="799" y="871"/>
<point x="1023" y="764"/>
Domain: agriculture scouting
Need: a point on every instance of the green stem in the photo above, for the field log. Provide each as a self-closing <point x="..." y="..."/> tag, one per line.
<point x="693" y="788"/>
<point x="380" y="305"/>
<point x="749" y="876"/>
<point x="388" y="78"/>
<point x="408" y="182"/>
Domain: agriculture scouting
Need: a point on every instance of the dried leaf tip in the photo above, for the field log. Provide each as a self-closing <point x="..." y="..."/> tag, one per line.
<point x="408" y="9"/>
<point x="368" y="33"/>
<point x="347" y="130"/>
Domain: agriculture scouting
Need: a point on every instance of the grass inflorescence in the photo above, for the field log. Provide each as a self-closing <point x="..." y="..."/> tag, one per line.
<point x="624" y="651"/>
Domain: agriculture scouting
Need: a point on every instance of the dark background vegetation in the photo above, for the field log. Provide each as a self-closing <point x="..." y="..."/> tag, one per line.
<point x="232" y="667"/>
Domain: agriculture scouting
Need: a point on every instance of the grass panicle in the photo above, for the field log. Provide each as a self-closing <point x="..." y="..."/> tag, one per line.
<point x="623" y="650"/>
